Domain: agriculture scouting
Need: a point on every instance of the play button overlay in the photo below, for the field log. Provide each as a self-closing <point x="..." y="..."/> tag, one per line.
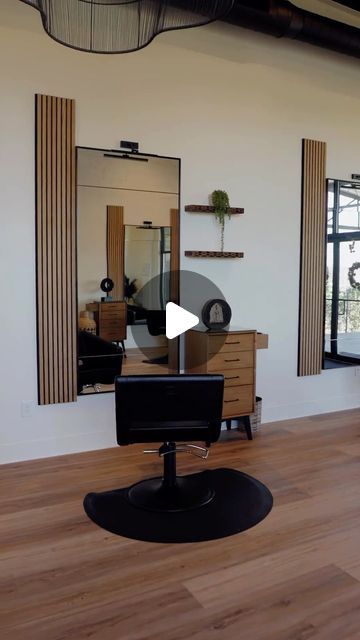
<point x="178" y="320"/>
<point x="164" y="307"/>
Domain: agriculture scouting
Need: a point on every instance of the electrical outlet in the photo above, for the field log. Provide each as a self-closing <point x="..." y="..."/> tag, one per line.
<point x="26" y="409"/>
<point x="357" y="371"/>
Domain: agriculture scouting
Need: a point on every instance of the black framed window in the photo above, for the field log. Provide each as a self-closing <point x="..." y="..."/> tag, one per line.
<point x="165" y="265"/>
<point x="342" y="308"/>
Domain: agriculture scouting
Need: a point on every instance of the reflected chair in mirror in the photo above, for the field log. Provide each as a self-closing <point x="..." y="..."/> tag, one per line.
<point x="130" y="320"/>
<point x="99" y="361"/>
<point x="156" y="325"/>
<point x="180" y="412"/>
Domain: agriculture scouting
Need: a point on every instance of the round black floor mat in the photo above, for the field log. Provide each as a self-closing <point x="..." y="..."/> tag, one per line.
<point x="240" y="502"/>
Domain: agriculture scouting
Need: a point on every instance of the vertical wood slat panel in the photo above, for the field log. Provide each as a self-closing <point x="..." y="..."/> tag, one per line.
<point x="56" y="249"/>
<point x="54" y="238"/>
<point x="312" y="267"/>
<point x="115" y="244"/>
<point x="39" y="245"/>
<point x="64" y="170"/>
<point x="48" y="246"/>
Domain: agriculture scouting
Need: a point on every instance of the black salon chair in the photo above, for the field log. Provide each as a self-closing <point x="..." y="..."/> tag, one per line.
<point x="156" y="324"/>
<point x="173" y="408"/>
<point x="99" y="361"/>
<point x="201" y="506"/>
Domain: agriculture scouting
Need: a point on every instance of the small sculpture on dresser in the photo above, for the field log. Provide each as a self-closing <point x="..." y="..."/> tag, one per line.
<point x="216" y="314"/>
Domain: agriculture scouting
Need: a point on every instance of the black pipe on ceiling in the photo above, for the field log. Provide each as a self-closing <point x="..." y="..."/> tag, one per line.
<point x="352" y="4"/>
<point x="282" y="19"/>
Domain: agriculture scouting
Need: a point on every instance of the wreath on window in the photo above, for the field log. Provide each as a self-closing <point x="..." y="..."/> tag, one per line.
<point x="351" y="275"/>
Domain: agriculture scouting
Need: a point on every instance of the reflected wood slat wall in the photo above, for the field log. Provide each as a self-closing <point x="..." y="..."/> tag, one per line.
<point x="175" y="254"/>
<point x="56" y="249"/>
<point x="313" y="251"/>
<point x="173" y="345"/>
<point x="115" y="249"/>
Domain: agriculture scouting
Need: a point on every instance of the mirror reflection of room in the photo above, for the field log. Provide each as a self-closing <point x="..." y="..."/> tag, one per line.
<point x="342" y="308"/>
<point x="147" y="291"/>
<point x="126" y="206"/>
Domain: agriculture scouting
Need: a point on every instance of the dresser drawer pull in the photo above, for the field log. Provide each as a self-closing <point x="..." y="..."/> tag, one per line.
<point x="236" y="400"/>
<point x="234" y="342"/>
<point x="232" y="360"/>
<point x="231" y="377"/>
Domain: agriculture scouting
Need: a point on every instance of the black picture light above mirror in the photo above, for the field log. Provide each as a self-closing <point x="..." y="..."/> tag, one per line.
<point x="147" y="224"/>
<point x="129" y="145"/>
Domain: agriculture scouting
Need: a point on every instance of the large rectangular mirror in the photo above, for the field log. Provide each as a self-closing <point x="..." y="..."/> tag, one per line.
<point x="128" y="257"/>
<point x="342" y="317"/>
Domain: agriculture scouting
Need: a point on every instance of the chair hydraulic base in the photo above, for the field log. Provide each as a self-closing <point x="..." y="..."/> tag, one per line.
<point x="154" y="495"/>
<point x="170" y="493"/>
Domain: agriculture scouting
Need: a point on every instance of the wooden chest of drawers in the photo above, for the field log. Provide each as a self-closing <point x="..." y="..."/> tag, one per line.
<point x="110" y="318"/>
<point x="234" y="356"/>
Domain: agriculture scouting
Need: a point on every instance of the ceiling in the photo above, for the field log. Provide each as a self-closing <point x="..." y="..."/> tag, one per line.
<point x="15" y="14"/>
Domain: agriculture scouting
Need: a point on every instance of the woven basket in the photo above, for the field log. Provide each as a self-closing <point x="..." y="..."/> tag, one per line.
<point x="255" y="418"/>
<point x="87" y="322"/>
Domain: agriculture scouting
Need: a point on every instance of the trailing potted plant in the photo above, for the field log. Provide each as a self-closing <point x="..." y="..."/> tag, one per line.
<point x="130" y="288"/>
<point x="221" y="204"/>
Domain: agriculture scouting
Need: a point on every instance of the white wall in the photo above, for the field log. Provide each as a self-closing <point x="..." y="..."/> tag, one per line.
<point x="234" y="106"/>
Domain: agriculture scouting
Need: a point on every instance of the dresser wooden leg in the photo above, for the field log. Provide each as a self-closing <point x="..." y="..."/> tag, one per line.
<point x="228" y="425"/>
<point x="247" y="425"/>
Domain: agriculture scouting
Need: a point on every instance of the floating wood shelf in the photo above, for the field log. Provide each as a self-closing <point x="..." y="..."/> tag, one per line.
<point x="199" y="208"/>
<point x="214" y="254"/>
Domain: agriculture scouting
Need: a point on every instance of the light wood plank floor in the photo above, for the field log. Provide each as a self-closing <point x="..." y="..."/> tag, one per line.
<point x="295" y="576"/>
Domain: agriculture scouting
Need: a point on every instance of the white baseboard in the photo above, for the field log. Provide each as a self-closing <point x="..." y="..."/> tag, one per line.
<point x="31" y="450"/>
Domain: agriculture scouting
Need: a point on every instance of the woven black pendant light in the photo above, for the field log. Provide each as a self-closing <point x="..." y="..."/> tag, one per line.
<point x="119" y="26"/>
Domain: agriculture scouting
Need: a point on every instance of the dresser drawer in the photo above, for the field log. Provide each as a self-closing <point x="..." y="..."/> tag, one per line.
<point x="110" y="311"/>
<point x="113" y="330"/>
<point x="231" y="360"/>
<point x="238" y="400"/>
<point x="113" y="336"/>
<point x="112" y="323"/>
<point x="112" y="327"/>
<point x="237" y="377"/>
<point x="232" y="342"/>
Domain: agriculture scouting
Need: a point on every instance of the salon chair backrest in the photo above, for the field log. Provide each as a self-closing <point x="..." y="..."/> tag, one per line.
<point x="169" y="408"/>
